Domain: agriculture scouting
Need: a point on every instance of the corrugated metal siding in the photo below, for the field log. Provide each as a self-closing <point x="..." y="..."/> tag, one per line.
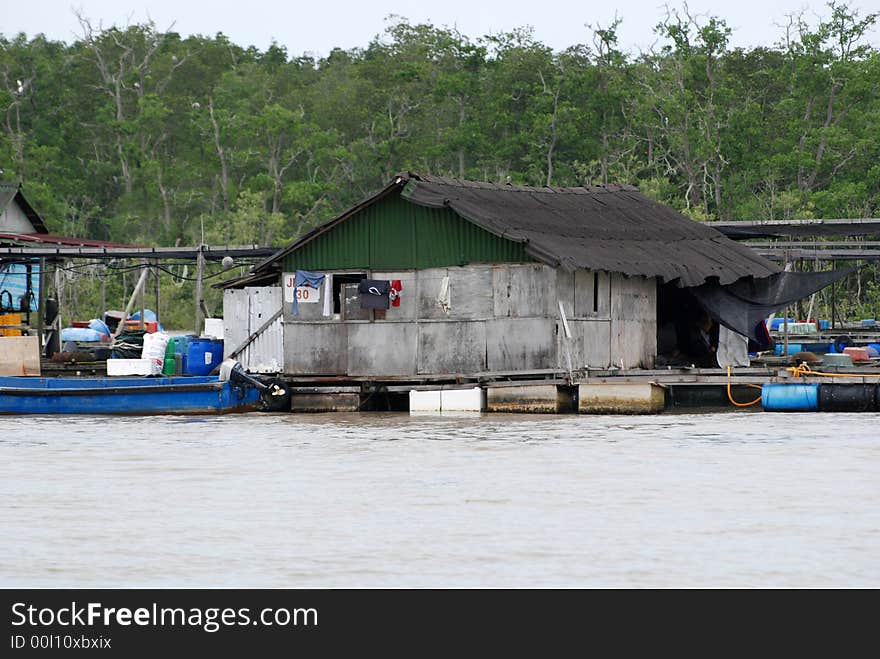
<point x="394" y="234"/>
<point x="236" y="319"/>
<point x="437" y="242"/>
<point x="346" y="246"/>
<point x="244" y="312"/>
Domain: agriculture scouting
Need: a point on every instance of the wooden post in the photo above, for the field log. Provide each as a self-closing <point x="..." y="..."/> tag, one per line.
<point x="158" y="293"/>
<point x="200" y="270"/>
<point x="787" y="268"/>
<point x="103" y="290"/>
<point x="59" y="294"/>
<point x="41" y="306"/>
<point x="144" y="272"/>
<point x="28" y="291"/>
<point x="131" y="301"/>
<point x="833" y="301"/>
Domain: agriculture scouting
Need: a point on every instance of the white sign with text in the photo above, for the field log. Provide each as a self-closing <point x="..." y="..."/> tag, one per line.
<point x="304" y="294"/>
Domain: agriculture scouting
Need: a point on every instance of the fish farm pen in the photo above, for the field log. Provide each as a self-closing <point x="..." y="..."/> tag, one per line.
<point x="441" y="295"/>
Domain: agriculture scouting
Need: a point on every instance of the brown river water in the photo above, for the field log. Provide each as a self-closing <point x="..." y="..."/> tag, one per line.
<point x="735" y="499"/>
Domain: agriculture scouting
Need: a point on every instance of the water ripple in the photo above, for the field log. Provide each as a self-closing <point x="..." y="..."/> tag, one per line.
<point x="391" y="500"/>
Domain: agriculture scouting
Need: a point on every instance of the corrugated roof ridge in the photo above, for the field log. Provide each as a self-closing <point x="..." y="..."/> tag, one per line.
<point x="398" y="181"/>
<point x="507" y="187"/>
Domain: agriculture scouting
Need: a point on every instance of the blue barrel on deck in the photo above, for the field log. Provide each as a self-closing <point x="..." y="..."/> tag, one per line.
<point x="181" y="347"/>
<point x="790" y="397"/>
<point x="203" y="355"/>
<point x="793" y="349"/>
<point x="182" y="341"/>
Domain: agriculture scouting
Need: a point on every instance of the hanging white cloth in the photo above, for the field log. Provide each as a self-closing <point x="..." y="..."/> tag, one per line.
<point x="328" y="291"/>
<point x="733" y="348"/>
<point x="443" y="298"/>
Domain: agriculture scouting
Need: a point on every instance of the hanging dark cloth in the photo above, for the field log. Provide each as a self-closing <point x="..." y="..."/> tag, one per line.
<point x="743" y="305"/>
<point x="374" y="293"/>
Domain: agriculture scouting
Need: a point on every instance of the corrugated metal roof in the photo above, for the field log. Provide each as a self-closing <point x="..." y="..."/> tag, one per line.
<point x="51" y="239"/>
<point x="782" y="228"/>
<point x="612" y="228"/>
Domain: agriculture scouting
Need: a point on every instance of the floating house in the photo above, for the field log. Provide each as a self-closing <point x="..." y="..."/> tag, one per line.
<point x="19" y="278"/>
<point x="470" y="277"/>
<point x="17" y="216"/>
<point x="27" y="249"/>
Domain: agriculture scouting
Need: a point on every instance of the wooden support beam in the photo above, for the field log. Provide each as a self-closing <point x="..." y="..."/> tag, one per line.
<point x="200" y="271"/>
<point x="134" y="295"/>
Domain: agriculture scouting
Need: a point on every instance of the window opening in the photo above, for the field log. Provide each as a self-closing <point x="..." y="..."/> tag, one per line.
<point x="338" y="282"/>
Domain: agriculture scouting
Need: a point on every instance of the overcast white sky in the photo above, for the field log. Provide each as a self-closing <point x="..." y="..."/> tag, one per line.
<point x="317" y="27"/>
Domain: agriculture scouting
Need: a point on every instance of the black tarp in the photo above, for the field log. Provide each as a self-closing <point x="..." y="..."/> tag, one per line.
<point x="743" y="305"/>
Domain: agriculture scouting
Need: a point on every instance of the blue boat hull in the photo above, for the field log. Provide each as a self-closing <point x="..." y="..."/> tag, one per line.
<point x="134" y="396"/>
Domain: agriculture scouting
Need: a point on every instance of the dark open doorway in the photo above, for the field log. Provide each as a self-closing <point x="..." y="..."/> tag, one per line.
<point x="686" y="334"/>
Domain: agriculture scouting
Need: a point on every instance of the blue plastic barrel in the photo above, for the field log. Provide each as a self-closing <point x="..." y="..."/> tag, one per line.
<point x="203" y="355"/>
<point x="793" y="348"/>
<point x="790" y="397"/>
<point x="181" y="343"/>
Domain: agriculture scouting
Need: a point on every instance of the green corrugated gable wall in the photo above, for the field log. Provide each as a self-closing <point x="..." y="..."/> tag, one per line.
<point x="394" y="234"/>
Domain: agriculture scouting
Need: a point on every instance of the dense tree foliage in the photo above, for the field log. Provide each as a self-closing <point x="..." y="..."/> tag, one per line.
<point x="136" y="135"/>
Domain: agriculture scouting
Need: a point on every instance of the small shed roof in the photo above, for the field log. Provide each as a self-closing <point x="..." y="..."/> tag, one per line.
<point x="612" y="228"/>
<point x="45" y="238"/>
<point x="869" y="226"/>
<point x="10" y="192"/>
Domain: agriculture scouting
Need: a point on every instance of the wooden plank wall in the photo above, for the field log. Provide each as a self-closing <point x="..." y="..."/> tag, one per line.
<point x="501" y="318"/>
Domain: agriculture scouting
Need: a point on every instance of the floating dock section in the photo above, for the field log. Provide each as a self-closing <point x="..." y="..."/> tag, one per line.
<point x="448" y="400"/>
<point x="836" y="397"/>
<point x="624" y="398"/>
<point x="531" y="398"/>
<point x="629" y="392"/>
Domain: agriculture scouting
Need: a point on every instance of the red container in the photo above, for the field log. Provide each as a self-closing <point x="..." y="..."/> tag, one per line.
<point x="150" y="325"/>
<point x="858" y="354"/>
<point x="79" y="323"/>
